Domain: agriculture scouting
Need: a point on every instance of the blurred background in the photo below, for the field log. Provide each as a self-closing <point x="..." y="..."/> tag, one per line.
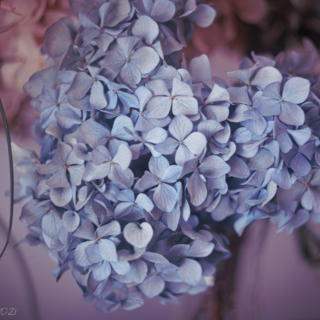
<point x="270" y="276"/>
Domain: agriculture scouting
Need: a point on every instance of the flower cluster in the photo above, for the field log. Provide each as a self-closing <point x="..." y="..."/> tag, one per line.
<point x="108" y="194"/>
<point x="143" y="155"/>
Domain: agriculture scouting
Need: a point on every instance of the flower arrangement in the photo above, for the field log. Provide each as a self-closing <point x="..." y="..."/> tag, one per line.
<point x="143" y="155"/>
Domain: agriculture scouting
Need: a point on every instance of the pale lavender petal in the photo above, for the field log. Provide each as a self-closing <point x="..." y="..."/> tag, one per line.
<point x="80" y="85"/>
<point x="300" y="164"/>
<point x="152" y="286"/>
<point x="102" y="271"/>
<point x="133" y="300"/>
<point x="200" y="249"/>
<point x="71" y="220"/>
<point x="125" y="177"/>
<point x="200" y="69"/>
<point x="147" y="181"/>
<point x="239" y="95"/>
<point x="159" y="87"/>
<point x="171" y="174"/>
<point x="97" y="97"/>
<point x="121" y="267"/>
<point x="93" y="254"/>
<point x="165" y="197"/>
<point x="76" y="174"/>
<point x="138" y="235"/>
<point x="100" y="154"/>
<point x="159" y="107"/>
<point x="265" y="76"/>
<point x="114" y="61"/>
<point x="214" y="167"/>
<point x="258" y="126"/>
<point x="184" y="105"/>
<point x="145" y="59"/>
<point x="61" y="196"/>
<point x="162" y="10"/>
<point x="86" y="231"/>
<point x="203" y="16"/>
<point x="291" y="114"/>
<point x="80" y="256"/>
<point x="108" y="250"/>
<point x="270" y="107"/>
<point x="296" y="90"/>
<point x="146" y="29"/>
<point x="94" y="172"/>
<point x="111" y="229"/>
<point x="272" y="91"/>
<point x="59" y="180"/>
<point x="209" y="127"/>
<point x="130" y="74"/>
<point x="138" y="271"/>
<point x="122" y="209"/>
<point x="197" y="189"/>
<point x="263" y="159"/>
<point x="94" y="133"/>
<point x="190" y="271"/>
<point x="189" y="166"/>
<point x="180" y="127"/>
<point x="120" y="127"/>
<point x="183" y="154"/>
<point x="154" y="257"/>
<point x="155" y="135"/>
<point x="171" y="219"/>
<point x="144" y="201"/>
<point x="123" y="156"/>
<point x="301" y="136"/>
<point x="195" y="142"/>
<point x="181" y="88"/>
<point x="157" y="165"/>
<point x="284" y="197"/>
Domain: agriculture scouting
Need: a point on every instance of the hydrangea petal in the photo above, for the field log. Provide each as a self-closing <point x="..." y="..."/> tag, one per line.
<point x="296" y="90"/>
<point x="152" y="286"/>
<point x="214" y="167"/>
<point x="71" y="220"/>
<point x="138" y="271"/>
<point x="165" y="197"/>
<point x="180" y="127"/>
<point x="159" y="107"/>
<point x="203" y="16"/>
<point x="200" y="249"/>
<point x="130" y="74"/>
<point x="162" y="10"/>
<point x="291" y="114"/>
<point x="121" y="267"/>
<point x="108" y="250"/>
<point x="145" y="59"/>
<point x="81" y="84"/>
<point x="300" y="164"/>
<point x="195" y="142"/>
<point x="61" y="196"/>
<point x="200" y="69"/>
<point x="94" y="133"/>
<point x="190" y="271"/>
<point x="80" y="256"/>
<point x="97" y="97"/>
<point x="265" y="76"/>
<point x="197" y="189"/>
<point x="102" y="271"/>
<point x="133" y="301"/>
<point x="146" y="29"/>
<point x="139" y="235"/>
